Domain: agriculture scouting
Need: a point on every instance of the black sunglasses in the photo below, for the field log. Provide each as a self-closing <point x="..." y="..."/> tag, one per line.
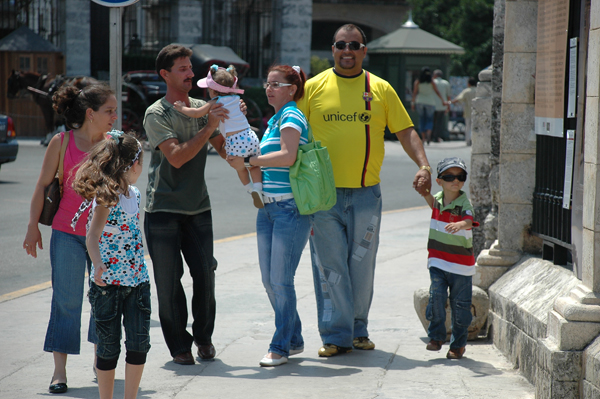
<point x="450" y="178"/>
<point x="353" y="45"/>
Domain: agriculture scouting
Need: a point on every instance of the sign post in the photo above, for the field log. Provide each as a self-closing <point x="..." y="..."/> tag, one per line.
<point x="116" y="50"/>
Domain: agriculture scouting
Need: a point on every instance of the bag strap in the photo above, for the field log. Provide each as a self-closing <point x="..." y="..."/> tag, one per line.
<point x="61" y="162"/>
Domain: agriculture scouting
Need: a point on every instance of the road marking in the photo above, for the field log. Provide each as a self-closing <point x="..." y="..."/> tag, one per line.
<point x="40" y="287"/>
<point x="25" y="291"/>
<point x="48" y="284"/>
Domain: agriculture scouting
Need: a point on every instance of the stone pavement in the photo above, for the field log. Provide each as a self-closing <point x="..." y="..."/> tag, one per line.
<point x="399" y="367"/>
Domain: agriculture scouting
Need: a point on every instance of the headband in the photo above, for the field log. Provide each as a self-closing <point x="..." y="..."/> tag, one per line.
<point x="211" y="84"/>
<point x="297" y="69"/>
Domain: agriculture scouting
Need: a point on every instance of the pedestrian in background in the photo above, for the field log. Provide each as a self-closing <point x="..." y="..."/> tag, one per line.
<point x="424" y="100"/>
<point x="349" y="109"/>
<point x="120" y="288"/>
<point x="90" y="113"/>
<point x="466" y="98"/>
<point x="440" y="122"/>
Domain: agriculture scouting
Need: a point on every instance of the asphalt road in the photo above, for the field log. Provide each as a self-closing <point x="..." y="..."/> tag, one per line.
<point x="233" y="212"/>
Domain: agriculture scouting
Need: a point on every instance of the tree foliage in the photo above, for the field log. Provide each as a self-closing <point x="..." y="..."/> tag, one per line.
<point x="318" y="65"/>
<point x="468" y="23"/>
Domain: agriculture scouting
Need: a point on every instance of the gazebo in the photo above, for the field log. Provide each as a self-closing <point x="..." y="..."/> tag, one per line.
<point x="399" y="56"/>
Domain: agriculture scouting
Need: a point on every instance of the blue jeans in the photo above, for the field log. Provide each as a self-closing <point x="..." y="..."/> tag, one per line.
<point x="343" y="249"/>
<point x="70" y="261"/>
<point x="168" y="236"/>
<point x="425" y="117"/>
<point x="461" y="289"/>
<point x="113" y="303"/>
<point x="282" y="233"/>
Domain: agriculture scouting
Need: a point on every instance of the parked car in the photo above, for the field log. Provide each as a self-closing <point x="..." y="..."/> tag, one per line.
<point x="8" y="142"/>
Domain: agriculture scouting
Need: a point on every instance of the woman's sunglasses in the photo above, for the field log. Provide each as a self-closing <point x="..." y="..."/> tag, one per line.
<point x="450" y="178"/>
<point x="353" y="45"/>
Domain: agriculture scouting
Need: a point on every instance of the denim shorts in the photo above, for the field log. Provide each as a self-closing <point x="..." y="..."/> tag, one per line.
<point x="112" y="303"/>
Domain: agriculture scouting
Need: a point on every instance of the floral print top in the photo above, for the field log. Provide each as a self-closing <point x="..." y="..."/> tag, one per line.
<point x="121" y="244"/>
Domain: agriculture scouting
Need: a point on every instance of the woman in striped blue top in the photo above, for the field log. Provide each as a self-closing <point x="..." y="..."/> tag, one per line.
<point x="281" y="231"/>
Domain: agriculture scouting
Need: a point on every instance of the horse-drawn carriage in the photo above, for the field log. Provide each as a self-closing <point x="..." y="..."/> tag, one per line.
<point x="139" y="89"/>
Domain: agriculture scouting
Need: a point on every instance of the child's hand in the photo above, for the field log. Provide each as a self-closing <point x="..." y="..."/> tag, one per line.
<point x="453" y="228"/>
<point x="98" y="270"/>
<point x="179" y="105"/>
<point x="420" y="183"/>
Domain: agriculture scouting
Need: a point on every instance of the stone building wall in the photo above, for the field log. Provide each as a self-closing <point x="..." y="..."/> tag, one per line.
<point x="296" y="26"/>
<point x="77" y="45"/>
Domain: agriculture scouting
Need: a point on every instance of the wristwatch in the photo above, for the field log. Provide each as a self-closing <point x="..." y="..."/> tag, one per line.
<point x="426" y="167"/>
<point x="247" y="162"/>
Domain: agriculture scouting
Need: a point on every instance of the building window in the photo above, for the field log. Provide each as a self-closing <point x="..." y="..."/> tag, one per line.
<point x="25" y="64"/>
<point x="42" y="65"/>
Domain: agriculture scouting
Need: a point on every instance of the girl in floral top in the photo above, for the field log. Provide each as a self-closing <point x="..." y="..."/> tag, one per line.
<point x="120" y="286"/>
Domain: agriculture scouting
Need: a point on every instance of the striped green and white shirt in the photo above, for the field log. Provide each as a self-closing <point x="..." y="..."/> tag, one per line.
<point x="451" y="252"/>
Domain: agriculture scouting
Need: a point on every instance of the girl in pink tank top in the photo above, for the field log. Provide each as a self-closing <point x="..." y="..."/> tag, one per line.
<point x="90" y="111"/>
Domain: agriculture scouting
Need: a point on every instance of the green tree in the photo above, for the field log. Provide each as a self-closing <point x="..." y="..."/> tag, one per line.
<point x="318" y="65"/>
<point x="468" y="23"/>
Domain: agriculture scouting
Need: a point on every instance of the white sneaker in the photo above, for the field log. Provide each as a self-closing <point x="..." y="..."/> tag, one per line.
<point x="268" y="362"/>
<point x="257" y="197"/>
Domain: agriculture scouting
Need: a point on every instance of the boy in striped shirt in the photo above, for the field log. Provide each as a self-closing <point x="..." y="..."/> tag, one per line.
<point x="451" y="260"/>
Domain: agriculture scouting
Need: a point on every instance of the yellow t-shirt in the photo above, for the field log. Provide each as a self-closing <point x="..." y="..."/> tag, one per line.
<point x="349" y="116"/>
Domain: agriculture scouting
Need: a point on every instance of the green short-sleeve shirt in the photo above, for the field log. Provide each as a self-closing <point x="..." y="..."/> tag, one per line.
<point x="170" y="189"/>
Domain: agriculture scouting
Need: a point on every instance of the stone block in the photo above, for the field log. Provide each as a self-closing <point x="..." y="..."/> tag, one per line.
<point x="573" y="310"/>
<point x="590" y="391"/>
<point x="484" y="86"/>
<point x="592" y="143"/>
<point x="517" y="178"/>
<point x="514" y="225"/>
<point x="548" y="388"/>
<point x="479" y="308"/>
<point x="482" y="125"/>
<point x="517" y="123"/>
<point x="485" y="276"/>
<point x="521" y="16"/>
<point x="590" y="276"/>
<point x="518" y="82"/>
<point x="525" y="294"/>
<point x="480" y="194"/>
<point x="506" y="338"/>
<point x="519" y="349"/>
<point x="593" y="69"/>
<point x="591" y="363"/>
<point x="562" y="365"/>
<point x="570" y="335"/>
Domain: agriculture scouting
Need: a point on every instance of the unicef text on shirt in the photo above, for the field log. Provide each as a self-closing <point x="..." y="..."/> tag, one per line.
<point x="363" y="117"/>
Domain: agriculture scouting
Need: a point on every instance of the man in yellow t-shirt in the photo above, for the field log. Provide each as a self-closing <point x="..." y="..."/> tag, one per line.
<point x="348" y="109"/>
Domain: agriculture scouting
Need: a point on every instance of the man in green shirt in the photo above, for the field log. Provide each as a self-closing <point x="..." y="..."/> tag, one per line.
<point x="178" y="219"/>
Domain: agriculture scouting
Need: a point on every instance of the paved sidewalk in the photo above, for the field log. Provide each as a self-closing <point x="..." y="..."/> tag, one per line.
<point x="399" y="367"/>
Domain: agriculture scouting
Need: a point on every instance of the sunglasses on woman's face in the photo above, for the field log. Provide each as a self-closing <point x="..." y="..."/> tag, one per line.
<point x="450" y="178"/>
<point x="353" y="45"/>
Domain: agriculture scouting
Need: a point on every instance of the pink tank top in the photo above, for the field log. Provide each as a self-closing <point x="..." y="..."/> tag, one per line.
<point x="70" y="202"/>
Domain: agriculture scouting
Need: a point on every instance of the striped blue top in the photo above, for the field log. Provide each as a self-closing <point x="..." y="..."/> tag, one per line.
<point x="276" y="180"/>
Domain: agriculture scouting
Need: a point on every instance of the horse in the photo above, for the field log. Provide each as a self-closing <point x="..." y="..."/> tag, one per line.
<point x="42" y="88"/>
